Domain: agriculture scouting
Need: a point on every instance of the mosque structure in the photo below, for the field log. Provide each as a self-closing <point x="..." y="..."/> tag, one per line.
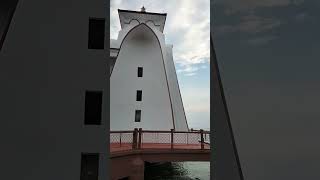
<point x="144" y="89"/>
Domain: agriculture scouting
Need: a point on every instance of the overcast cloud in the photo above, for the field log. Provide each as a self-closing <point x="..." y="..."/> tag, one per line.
<point x="187" y="28"/>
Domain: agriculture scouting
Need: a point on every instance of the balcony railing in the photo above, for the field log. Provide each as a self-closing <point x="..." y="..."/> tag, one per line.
<point x="146" y="139"/>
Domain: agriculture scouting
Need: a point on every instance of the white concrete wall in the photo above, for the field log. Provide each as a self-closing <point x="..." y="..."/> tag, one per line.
<point x="127" y="17"/>
<point x="176" y="99"/>
<point x="140" y="48"/>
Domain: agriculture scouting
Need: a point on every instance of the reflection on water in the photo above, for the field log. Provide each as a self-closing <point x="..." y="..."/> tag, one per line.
<point x="178" y="171"/>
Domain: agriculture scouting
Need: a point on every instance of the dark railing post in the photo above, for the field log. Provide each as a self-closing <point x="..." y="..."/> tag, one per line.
<point x="134" y="138"/>
<point x="140" y="137"/>
<point x="120" y="139"/>
<point x="172" y="138"/>
<point x="202" y="141"/>
<point x="187" y="138"/>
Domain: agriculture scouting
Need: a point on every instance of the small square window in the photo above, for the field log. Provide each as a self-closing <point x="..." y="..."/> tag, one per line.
<point x="138" y="116"/>
<point x="139" y="95"/>
<point x="140" y="71"/>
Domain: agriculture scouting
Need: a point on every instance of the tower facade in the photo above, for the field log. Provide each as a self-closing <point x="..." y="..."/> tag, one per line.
<point x="54" y="89"/>
<point x="144" y="90"/>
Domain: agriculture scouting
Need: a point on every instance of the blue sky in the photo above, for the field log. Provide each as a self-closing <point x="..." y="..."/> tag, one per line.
<point x="188" y="30"/>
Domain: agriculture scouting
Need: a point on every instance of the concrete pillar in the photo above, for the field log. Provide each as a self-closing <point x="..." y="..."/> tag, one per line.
<point x="137" y="169"/>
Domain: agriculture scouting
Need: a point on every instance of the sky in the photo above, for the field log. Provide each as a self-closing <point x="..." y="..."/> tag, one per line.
<point x="268" y="53"/>
<point x="187" y="28"/>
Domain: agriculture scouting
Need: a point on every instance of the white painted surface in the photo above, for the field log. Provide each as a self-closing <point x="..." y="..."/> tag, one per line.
<point x="140" y="49"/>
<point x="126" y="17"/>
<point x="143" y="45"/>
<point x="177" y="105"/>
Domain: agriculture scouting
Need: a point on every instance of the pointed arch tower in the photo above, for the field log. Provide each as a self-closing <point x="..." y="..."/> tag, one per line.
<point x="144" y="90"/>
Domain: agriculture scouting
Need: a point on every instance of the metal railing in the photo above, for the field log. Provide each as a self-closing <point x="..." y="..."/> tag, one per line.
<point x="146" y="139"/>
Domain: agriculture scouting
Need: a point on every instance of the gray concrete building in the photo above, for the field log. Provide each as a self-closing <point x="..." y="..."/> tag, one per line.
<point x="54" y="77"/>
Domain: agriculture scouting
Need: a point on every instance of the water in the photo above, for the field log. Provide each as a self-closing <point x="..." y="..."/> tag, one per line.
<point x="178" y="171"/>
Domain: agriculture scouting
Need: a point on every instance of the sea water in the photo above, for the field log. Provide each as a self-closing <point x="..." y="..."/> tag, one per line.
<point x="178" y="171"/>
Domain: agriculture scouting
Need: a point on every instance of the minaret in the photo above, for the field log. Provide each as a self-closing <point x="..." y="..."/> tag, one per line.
<point x="143" y="9"/>
<point x="144" y="90"/>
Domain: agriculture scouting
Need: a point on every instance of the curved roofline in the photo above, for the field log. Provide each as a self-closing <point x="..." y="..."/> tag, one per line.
<point x="151" y="13"/>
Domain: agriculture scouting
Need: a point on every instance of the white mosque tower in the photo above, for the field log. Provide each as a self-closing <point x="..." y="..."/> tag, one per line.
<point x="144" y="89"/>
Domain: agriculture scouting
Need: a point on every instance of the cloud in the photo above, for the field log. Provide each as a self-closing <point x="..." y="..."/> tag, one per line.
<point x="188" y="69"/>
<point x="191" y="69"/>
<point x="200" y="104"/>
<point x="249" y="24"/>
<point x="190" y="74"/>
<point x="249" y="5"/>
<point x="187" y="27"/>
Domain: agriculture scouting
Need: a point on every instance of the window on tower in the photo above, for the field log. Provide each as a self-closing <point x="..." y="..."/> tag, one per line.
<point x="93" y="107"/>
<point x="96" y="33"/>
<point x="138" y="116"/>
<point x="139" y="95"/>
<point x="140" y="71"/>
<point x="89" y="166"/>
